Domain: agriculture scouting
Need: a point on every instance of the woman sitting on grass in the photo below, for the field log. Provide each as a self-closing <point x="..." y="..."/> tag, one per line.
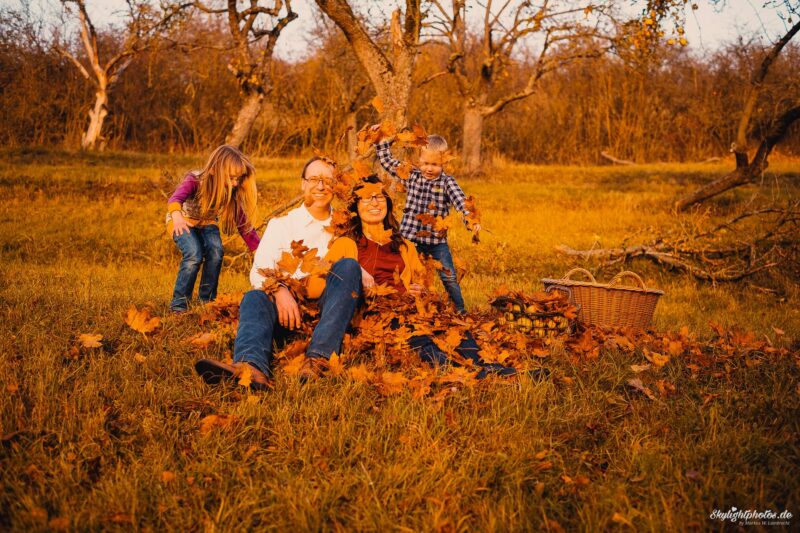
<point x="222" y="193"/>
<point x="374" y="240"/>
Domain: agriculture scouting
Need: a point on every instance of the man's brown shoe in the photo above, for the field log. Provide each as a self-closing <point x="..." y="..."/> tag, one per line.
<point x="313" y="368"/>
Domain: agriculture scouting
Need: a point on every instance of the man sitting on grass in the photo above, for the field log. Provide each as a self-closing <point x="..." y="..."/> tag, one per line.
<point x="264" y="318"/>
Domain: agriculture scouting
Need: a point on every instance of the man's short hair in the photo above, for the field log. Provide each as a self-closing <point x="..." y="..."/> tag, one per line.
<point x="314" y="159"/>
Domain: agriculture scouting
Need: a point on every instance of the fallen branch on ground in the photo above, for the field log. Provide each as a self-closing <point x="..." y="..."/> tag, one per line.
<point x="750" y="242"/>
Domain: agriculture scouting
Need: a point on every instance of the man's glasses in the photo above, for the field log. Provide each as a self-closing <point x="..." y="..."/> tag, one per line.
<point x="378" y="198"/>
<point x="315" y="181"/>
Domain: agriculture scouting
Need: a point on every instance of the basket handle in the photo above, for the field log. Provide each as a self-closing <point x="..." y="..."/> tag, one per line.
<point x="567" y="290"/>
<point x="561" y="288"/>
<point x="582" y="271"/>
<point x="627" y="274"/>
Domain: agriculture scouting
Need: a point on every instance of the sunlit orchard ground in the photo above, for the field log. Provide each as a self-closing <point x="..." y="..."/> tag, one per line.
<point x="86" y="440"/>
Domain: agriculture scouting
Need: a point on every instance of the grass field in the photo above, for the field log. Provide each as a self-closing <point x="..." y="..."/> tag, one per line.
<point x="109" y="438"/>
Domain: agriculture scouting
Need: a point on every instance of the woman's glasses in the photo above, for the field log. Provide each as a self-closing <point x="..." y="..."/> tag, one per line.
<point x="377" y="198"/>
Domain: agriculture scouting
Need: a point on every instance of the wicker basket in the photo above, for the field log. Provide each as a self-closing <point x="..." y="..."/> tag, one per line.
<point x="610" y="304"/>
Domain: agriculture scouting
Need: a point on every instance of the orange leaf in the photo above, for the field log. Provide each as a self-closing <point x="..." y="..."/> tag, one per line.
<point x="211" y="422"/>
<point x="657" y="359"/>
<point x="460" y="374"/>
<point x="403" y="170"/>
<point x="245" y="374"/>
<point x="335" y="366"/>
<point x="167" y="476"/>
<point x="298" y="248"/>
<point x="313" y="265"/>
<point x="406" y="136"/>
<point x="380" y="290"/>
<point x="675" y="348"/>
<point x="202" y="340"/>
<point x="360" y="373"/>
<point x="392" y="383"/>
<point x="140" y="320"/>
<point x="362" y="168"/>
<point x="377" y="103"/>
<point x="288" y="263"/>
<point x="90" y="340"/>
<point x="292" y="368"/>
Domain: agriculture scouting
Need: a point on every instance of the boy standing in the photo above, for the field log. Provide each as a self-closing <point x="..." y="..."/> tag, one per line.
<point x="431" y="192"/>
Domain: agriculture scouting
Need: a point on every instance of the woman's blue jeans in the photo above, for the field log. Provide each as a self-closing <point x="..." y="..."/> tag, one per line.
<point x="199" y="246"/>
<point x="441" y="252"/>
<point x="259" y="327"/>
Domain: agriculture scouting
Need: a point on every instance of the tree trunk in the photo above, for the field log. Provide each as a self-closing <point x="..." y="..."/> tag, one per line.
<point x="352" y="135"/>
<point x="245" y="119"/>
<point x="472" y="136"/>
<point x="96" y="118"/>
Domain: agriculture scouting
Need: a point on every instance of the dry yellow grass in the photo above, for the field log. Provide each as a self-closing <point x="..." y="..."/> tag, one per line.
<point x="110" y="437"/>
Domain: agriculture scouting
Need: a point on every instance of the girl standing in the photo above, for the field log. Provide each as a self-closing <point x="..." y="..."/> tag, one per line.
<point x="222" y="194"/>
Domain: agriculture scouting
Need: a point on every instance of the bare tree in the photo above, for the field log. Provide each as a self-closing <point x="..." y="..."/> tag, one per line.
<point x="749" y="170"/>
<point x="142" y="26"/>
<point x="254" y="32"/>
<point x="390" y="72"/>
<point x="480" y="61"/>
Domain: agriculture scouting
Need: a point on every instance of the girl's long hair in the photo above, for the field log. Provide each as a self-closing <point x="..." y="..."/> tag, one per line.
<point x="216" y="195"/>
<point x="356" y="231"/>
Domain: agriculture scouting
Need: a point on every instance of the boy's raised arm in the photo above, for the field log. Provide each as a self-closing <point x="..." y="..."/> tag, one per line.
<point x="383" y="150"/>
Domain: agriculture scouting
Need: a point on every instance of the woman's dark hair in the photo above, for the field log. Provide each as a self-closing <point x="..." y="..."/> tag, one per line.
<point x="356" y="232"/>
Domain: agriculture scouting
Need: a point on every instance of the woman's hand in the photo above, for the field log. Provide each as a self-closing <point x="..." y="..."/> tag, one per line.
<point x="367" y="280"/>
<point x="179" y="224"/>
<point x="415" y="289"/>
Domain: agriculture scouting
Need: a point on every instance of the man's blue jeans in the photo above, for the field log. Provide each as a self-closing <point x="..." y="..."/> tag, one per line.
<point x="259" y="327"/>
<point x="200" y="246"/>
<point x="441" y="252"/>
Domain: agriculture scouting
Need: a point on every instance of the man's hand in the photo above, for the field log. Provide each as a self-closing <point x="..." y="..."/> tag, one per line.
<point x="288" y="310"/>
<point x="367" y="280"/>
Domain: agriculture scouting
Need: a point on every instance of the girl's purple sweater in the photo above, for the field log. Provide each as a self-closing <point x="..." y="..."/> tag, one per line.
<point x="185" y="199"/>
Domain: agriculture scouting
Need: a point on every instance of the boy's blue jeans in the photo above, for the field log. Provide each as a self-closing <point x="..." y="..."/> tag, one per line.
<point x="259" y="327"/>
<point x="200" y="246"/>
<point x="441" y="252"/>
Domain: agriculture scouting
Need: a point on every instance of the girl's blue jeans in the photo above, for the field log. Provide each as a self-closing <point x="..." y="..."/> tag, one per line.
<point x="441" y="252"/>
<point x="200" y="246"/>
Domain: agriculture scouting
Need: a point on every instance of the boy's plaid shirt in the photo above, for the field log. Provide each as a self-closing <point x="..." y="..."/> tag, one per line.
<point x="424" y="196"/>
